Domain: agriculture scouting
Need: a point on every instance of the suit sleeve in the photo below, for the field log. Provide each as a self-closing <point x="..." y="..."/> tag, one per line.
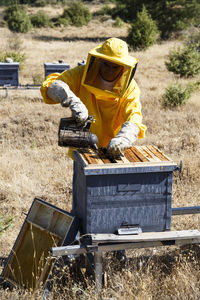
<point x="132" y="109"/>
<point x="72" y="77"/>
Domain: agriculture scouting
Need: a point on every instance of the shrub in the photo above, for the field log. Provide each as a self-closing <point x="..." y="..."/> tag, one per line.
<point x="77" y="13"/>
<point x="118" y="22"/>
<point x="40" y="19"/>
<point x="15" y="43"/>
<point x="61" y="21"/>
<point x="16" y="56"/>
<point x="195" y="40"/>
<point x="171" y="16"/>
<point x="105" y="10"/>
<point x="17" y="19"/>
<point x="176" y="95"/>
<point x="37" y="78"/>
<point x="184" y="61"/>
<point x="40" y="3"/>
<point x="143" y="32"/>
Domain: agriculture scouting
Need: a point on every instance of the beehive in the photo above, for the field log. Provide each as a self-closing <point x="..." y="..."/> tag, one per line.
<point x="50" y="68"/>
<point x="9" y="74"/>
<point x="135" y="189"/>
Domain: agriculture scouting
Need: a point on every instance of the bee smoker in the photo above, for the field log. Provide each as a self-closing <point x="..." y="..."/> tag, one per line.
<point x="71" y="134"/>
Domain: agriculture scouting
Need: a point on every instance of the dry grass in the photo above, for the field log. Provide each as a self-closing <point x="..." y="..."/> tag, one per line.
<point x="32" y="165"/>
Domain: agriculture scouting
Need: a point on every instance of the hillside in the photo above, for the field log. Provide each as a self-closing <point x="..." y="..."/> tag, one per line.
<point x="32" y="164"/>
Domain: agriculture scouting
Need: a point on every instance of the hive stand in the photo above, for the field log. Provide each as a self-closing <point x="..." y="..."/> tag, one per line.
<point x="110" y="242"/>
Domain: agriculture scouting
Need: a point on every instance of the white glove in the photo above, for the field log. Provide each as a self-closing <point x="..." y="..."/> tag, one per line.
<point x="126" y="137"/>
<point x="60" y="92"/>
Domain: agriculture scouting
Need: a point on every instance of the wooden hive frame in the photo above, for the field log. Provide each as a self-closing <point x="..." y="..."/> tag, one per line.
<point x="147" y="155"/>
<point x="29" y="262"/>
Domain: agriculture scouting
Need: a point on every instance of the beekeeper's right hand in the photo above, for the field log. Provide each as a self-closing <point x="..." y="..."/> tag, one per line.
<point x="60" y="92"/>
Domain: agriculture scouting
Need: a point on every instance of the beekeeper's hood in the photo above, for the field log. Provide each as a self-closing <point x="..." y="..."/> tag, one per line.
<point x="114" y="51"/>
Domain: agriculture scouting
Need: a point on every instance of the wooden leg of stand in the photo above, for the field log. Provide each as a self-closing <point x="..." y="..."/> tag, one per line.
<point x="98" y="270"/>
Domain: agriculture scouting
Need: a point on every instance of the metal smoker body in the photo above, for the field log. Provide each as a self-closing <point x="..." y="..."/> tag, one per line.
<point x="71" y="134"/>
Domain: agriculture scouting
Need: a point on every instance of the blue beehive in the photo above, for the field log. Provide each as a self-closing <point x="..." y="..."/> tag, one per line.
<point x="136" y="190"/>
<point x="55" y="68"/>
<point x="9" y="74"/>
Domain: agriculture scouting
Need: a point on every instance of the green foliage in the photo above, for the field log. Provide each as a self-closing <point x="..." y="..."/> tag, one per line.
<point x="16" y="56"/>
<point x="40" y="3"/>
<point x="38" y="78"/>
<point x="195" y="40"/>
<point x="61" y="21"/>
<point x="8" y="2"/>
<point x="5" y="222"/>
<point x="77" y="13"/>
<point x="105" y="10"/>
<point x="17" y="20"/>
<point x="118" y="22"/>
<point x="37" y="3"/>
<point x="176" y="95"/>
<point x="184" y="61"/>
<point x="171" y="16"/>
<point x="40" y="19"/>
<point x="15" y="43"/>
<point x="143" y="32"/>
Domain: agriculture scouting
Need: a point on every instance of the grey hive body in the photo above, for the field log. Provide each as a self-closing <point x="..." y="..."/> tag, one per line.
<point x="9" y="74"/>
<point x="136" y="190"/>
<point x="50" y="68"/>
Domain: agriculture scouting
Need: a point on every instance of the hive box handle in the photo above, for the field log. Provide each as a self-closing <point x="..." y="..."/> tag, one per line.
<point x="128" y="187"/>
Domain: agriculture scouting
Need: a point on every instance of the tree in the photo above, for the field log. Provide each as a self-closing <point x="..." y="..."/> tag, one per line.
<point x="143" y="32"/>
<point x="17" y="19"/>
<point x="171" y="16"/>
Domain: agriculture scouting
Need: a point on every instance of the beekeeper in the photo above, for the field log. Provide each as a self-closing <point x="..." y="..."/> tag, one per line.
<point x="104" y="88"/>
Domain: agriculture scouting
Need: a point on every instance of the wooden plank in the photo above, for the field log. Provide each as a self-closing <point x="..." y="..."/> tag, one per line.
<point x="131" y="157"/>
<point x="80" y="249"/>
<point x="150" y="154"/>
<point x="118" y="159"/>
<point x="89" y="157"/>
<point x="124" y="159"/>
<point x="122" y="246"/>
<point x="95" y="155"/>
<point x="103" y="157"/>
<point x="146" y="236"/>
<point x="137" y="152"/>
<point x="146" y="154"/>
<point x="79" y="156"/>
<point x="164" y="155"/>
<point x="158" y="153"/>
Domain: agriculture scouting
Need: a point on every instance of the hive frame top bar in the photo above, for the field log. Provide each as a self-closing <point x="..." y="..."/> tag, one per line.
<point x="147" y="161"/>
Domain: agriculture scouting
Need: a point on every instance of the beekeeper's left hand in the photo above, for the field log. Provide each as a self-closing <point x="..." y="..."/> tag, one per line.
<point x="126" y="137"/>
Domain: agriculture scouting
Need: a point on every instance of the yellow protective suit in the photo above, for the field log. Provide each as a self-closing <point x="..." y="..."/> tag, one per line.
<point x="109" y="111"/>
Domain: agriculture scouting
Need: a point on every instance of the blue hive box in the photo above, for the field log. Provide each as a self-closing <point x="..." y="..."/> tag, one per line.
<point x="136" y="190"/>
<point x="9" y="74"/>
<point x="50" y="68"/>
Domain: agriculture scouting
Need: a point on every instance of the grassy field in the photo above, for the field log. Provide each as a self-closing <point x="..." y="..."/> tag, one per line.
<point x="32" y="165"/>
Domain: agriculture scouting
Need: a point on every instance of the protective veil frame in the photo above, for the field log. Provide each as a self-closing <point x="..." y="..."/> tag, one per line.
<point x="129" y="66"/>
